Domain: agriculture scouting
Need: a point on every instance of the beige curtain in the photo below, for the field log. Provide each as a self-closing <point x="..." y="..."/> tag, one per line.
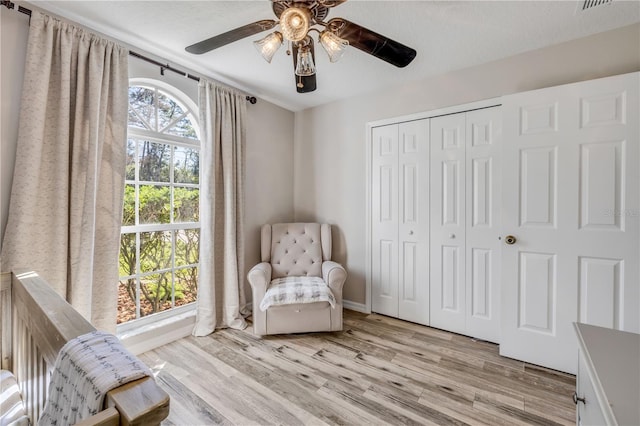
<point x="66" y="200"/>
<point x="221" y="298"/>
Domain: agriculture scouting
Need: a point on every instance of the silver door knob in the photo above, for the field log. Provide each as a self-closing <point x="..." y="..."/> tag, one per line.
<point x="452" y="236"/>
<point x="510" y="239"/>
<point x="410" y="232"/>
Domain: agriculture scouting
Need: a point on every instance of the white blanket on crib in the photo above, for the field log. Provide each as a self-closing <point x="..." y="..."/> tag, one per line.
<point x="86" y="368"/>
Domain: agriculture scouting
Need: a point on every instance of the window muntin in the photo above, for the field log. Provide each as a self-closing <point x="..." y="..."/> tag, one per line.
<point x="159" y="247"/>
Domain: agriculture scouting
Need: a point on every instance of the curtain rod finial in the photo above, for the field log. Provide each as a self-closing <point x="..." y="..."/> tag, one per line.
<point x="252" y="99"/>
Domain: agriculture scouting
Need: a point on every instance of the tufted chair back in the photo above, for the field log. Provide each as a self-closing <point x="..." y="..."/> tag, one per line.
<point x="296" y="249"/>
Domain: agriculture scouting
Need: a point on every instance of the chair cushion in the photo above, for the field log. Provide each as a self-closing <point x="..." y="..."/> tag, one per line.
<point x="12" y="410"/>
<point x="296" y="250"/>
<point x="288" y="290"/>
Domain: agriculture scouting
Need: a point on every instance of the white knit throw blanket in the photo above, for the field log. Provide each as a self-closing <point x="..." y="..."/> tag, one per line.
<point x="86" y="368"/>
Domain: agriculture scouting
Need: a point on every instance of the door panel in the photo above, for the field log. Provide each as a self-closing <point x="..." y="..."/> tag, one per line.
<point x="384" y="220"/>
<point x="413" y="229"/>
<point x="482" y="219"/>
<point x="537" y="290"/>
<point x="481" y="192"/>
<point x="601" y="289"/>
<point x="571" y="197"/>
<point x="448" y="206"/>
<point x="602" y="180"/>
<point x="450" y="202"/>
<point x="538" y="187"/>
<point x="482" y="285"/>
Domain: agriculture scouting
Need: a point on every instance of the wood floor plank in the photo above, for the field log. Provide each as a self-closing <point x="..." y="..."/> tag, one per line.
<point x="410" y="408"/>
<point x="424" y="353"/>
<point x="291" y="389"/>
<point x="424" y="381"/>
<point x="346" y="339"/>
<point x="462" y="410"/>
<point x="414" y="345"/>
<point x="529" y="379"/>
<point x="186" y="407"/>
<point x="378" y="371"/>
<point x="375" y="375"/>
<point x="511" y="414"/>
<point x="410" y="326"/>
<point x="392" y="415"/>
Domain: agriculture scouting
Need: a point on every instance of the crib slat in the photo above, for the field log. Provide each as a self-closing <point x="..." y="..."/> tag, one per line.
<point x="5" y="321"/>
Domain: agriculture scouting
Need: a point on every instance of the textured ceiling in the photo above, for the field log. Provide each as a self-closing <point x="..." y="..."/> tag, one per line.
<point x="447" y="35"/>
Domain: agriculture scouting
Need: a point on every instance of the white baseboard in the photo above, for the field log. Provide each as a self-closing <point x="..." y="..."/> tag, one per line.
<point x="354" y="306"/>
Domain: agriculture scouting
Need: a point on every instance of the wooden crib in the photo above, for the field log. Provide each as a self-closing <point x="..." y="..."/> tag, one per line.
<point x="35" y="324"/>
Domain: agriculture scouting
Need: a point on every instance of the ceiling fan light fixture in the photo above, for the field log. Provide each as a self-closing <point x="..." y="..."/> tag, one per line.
<point x="333" y="45"/>
<point x="269" y="45"/>
<point x="295" y="23"/>
<point x="305" y="65"/>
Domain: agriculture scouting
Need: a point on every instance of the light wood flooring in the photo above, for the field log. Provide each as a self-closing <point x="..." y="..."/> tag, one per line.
<point x="378" y="370"/>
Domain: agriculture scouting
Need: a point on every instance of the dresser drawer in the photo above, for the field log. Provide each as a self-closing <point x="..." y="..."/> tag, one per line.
<point x="589" y="412"/>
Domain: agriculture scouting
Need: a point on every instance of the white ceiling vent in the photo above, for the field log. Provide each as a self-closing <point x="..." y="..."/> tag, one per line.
<point x="590" y="4"/>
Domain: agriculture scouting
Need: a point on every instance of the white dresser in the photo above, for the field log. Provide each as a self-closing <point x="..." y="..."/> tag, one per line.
<point x="608" y="380"/>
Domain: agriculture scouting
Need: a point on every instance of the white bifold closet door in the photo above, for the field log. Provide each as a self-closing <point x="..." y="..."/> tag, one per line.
<point x="400" y="220"/>
<point x="571" y="199"/>
<point x="465" y="223"/>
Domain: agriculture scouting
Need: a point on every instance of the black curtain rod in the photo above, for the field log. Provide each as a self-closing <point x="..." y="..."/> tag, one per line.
<point x="10" y="5"/>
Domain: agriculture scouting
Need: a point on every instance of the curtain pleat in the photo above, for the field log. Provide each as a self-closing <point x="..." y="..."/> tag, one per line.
<point x="65" y="211"/>
<point x="221" y="297"/>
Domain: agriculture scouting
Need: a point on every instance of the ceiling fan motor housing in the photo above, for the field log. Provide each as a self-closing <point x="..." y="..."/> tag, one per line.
<point x="295" y="23"/>
<point x="318" y="9"/>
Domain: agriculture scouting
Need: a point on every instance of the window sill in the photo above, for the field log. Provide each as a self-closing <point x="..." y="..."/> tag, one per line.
<point x="158" y="333"/>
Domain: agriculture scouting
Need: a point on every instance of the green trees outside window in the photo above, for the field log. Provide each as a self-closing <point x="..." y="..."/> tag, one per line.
<point x="159" y="245"/>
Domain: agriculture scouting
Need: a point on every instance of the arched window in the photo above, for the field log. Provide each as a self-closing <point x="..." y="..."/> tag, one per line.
<point x="159" y="245"/>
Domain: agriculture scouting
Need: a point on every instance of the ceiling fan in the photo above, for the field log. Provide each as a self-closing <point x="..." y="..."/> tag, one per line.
<point x="297" y="19"/>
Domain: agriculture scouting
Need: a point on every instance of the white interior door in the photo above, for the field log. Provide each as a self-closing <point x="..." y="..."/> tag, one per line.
<point x="571" y="198"/>
<point x="384" y="220"/>
<point x="413" y="229"/>
<point x="447" y="270"/>
<point x="483" y="196"/>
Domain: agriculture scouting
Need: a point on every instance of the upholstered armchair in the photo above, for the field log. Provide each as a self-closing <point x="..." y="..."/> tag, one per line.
<point x="296" y="287"/>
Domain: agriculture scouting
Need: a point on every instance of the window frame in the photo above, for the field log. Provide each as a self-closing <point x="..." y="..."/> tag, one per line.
<point x="140" y="135"/>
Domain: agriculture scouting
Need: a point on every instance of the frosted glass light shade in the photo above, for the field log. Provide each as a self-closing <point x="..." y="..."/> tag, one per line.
<point x="295" y="22"/>
<point x="333" y="45"/>
<point x="269" y="45"/>
<point x="305" y="65"/>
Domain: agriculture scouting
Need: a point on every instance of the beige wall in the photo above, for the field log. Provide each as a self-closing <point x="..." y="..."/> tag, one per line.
<point x="269" y="148"/>
<point x="330" y="150"/>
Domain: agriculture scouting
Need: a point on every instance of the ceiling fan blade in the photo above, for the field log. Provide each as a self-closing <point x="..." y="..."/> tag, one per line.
<point x="304" y="84"/>
<point x="331" y="3"/>
<point x="231" y="36"/>
<point x="280" y="6"/>
<point x="373" y="43"/>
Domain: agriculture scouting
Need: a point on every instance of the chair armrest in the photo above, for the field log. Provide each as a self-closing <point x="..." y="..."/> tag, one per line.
<point x="259" y="277"/>
<point x="334" y="275"/>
